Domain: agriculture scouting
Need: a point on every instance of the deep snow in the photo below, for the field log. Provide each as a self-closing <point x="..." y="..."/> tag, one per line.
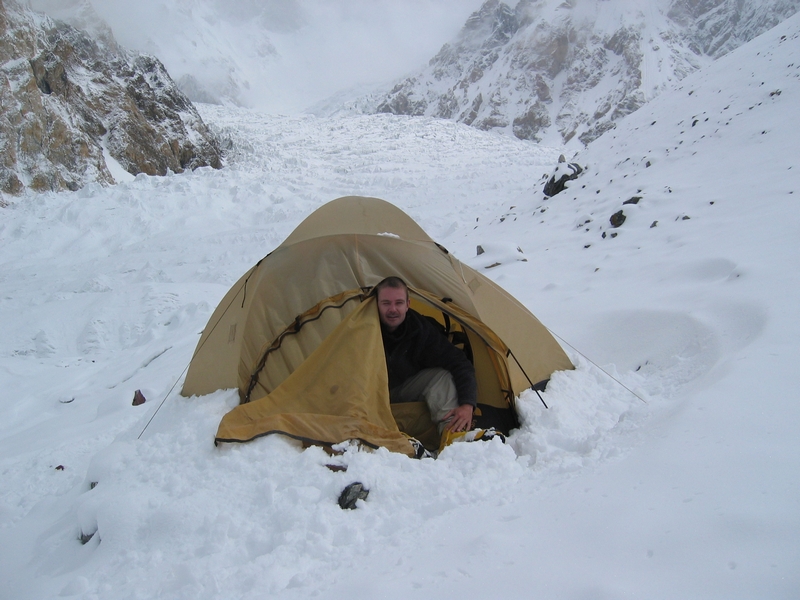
<point x="687" y="491"/>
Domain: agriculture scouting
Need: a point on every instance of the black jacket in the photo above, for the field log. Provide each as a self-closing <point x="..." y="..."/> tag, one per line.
<point x="416" y="345"/>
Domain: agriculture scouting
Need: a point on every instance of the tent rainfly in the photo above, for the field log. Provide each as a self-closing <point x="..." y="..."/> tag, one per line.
<point x="299" y="334"/>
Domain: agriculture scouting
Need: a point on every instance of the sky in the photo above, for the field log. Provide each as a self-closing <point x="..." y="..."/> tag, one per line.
<point x="282" y="55"/>
<point x="665" y="466"/>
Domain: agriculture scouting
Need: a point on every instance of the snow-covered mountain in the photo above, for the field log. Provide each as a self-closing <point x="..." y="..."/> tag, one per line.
<point x="76" y="109"/>
<point x="275" y="55"/>
<point x="555" y="71"/>
<point x="688" y="490"/>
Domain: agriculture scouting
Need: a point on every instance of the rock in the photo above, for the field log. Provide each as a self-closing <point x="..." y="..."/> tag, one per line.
<point x="138" y="398"/>
<point x="617" y="219"/>
<point x="352" y="494"/>
<point x="68" y="101"/>
<point x="558" y="181"/>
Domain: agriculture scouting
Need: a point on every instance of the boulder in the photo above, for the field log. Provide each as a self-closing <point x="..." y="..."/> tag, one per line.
<point x="558" y="180"/>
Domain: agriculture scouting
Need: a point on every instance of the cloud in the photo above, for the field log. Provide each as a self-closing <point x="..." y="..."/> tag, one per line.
<point x="281" y="55"/>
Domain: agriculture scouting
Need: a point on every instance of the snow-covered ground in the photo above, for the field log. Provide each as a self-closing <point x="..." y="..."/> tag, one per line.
<point x="676" y="478"/>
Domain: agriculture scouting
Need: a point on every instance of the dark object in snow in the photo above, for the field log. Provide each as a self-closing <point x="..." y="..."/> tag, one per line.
<point x="138" y="398"/>
<point x="351" y="494"/>
<point x="654" y="224"/>
<point x="337" y="468"/>
<point x="60" y="468"/>
<point x="558" y="181"/>
<point x="633" y="200"/>
<point x="617" y="219"/>
<point x="85" y="537"/>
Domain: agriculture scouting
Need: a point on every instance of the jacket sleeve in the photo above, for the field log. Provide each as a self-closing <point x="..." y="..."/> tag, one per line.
<point x="437" y="351"/>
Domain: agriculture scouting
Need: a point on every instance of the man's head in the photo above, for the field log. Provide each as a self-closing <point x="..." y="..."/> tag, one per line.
<point x="392" y="295"/>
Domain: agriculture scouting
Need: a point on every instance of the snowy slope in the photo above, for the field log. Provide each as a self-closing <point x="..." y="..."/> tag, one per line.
<point x="688" y="491"/>
<point x="560" y="72"/>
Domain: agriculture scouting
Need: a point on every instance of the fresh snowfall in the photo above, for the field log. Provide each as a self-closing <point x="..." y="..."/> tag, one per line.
<point x="667" y="463"/>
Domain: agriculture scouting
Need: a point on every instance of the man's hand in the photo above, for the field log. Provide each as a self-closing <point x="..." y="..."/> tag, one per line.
<point x="459" y="419"/>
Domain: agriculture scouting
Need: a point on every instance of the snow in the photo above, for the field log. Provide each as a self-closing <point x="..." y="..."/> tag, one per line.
<point x="664" y="467"/>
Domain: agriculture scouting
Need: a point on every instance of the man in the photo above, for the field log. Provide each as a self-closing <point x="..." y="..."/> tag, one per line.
<point x="422" y="364"/>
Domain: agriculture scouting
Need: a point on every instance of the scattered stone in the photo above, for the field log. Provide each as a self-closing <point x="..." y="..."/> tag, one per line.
<point x="60" y="468"/>
<point x="633" y="200"/>
<point x="480" y="250"/>
<point x="558" y="181"/>
<point x="351" y="494"/>
<point x="138" y="398"/>
<point x="617" y="219"/>
<point x="653" y="224"/>
<point x="85" y="537"/>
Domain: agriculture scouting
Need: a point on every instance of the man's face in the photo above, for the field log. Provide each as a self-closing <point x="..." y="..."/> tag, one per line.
<point x="392" y="307"/>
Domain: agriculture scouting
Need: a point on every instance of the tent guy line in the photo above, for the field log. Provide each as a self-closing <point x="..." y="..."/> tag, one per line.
<point x="609" y="375"/>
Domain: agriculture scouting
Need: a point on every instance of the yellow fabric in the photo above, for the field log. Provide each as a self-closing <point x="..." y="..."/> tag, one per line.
<point x="414" y="419"/>
<point x="340" y="392"/>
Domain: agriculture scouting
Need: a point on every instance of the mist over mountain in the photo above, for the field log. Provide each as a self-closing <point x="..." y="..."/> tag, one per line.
<point x="555" y="71"/>
<point x="275" y="55"/>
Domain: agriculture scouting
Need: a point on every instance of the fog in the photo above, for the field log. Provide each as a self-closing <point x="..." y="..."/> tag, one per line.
<point x="277" y="55"/>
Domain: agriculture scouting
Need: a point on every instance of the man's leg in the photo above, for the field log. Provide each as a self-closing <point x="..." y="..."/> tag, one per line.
<point x="433" y="386"/>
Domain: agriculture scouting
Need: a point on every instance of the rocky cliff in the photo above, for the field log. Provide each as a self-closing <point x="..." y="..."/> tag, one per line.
<point x="559" y="70"/>
<point x="75" y="109"/>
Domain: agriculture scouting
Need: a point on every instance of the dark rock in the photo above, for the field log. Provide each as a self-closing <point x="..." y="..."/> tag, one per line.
<point x="558" y="181"/>
<point x="138" y="398"/>
<point x="617" y="219"/>
<point x="351" y="494"/>
<point x="85" y="537"/>
<point x="633" y="200"/>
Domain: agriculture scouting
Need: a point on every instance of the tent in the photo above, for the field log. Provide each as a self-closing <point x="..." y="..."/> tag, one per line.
<point x="299" y="334"/>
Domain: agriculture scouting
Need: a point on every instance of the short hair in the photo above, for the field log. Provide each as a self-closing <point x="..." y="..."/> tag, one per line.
<point x="391" y="282"/>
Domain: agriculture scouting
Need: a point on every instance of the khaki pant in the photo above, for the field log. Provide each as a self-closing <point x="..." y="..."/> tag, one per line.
<point x="435" y="387"/>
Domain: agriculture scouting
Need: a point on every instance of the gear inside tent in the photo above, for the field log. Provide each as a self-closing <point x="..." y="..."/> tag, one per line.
<point x="299" y="334"/>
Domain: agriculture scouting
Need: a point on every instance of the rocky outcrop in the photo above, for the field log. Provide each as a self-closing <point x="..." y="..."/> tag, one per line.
<point x="75" y="110"/>
<point x="555" y="70"/>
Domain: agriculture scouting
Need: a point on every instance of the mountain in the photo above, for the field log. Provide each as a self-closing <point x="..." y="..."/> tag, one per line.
<point x="77" y="109"/>
<point x="554" y="70"/>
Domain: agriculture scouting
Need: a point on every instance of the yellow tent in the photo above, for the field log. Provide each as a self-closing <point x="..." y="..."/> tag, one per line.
<point x="299" y="334"/>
